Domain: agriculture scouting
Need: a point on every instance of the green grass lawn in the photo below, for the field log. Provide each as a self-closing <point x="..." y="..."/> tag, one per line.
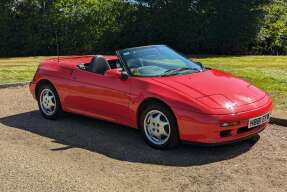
<point x="20" y="69"/>
<point x="267" y="72"/>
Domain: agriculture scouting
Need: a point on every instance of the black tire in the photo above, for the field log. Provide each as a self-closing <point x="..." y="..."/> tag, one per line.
<point x="173" y="139"/>
<point x="58" y="109"/>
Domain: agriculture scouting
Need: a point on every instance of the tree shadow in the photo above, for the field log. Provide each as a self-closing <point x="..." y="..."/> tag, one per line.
<point x="119" y="142"/>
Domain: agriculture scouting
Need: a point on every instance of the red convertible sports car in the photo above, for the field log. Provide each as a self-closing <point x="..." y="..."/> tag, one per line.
<point x="167" y="96"/>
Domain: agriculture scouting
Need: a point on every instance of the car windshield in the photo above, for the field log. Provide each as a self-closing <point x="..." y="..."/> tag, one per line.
<point x="159" y="60"/>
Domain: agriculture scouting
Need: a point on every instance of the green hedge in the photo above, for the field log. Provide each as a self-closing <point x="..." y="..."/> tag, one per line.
<point x="30" y="27"/>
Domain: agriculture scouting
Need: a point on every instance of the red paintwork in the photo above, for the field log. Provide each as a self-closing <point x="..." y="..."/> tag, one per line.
<point x="115" y="73"/>
<point x="199" y="101"/>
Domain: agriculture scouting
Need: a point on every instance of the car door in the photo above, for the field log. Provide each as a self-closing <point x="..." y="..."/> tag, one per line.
<point x="99" y="95"/>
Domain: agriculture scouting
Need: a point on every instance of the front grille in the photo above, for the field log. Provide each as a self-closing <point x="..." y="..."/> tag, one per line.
<point x="225" y="133"/>
<point x="241" y="130"/>
<point x="245" y="129"/>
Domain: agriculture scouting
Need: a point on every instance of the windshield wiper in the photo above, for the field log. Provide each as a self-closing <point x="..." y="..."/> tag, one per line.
<point x="175" y="71"/>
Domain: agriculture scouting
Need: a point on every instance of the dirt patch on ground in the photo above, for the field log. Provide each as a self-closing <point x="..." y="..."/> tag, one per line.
<point x="81" y="154"/>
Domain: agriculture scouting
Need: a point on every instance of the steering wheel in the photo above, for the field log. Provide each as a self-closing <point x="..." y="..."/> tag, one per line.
<point x="149" y="70"/>
<point x="135" y="63"/>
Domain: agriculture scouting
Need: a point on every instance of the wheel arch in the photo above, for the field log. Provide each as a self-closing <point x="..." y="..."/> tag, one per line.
<point x="148" y="101"/>
<point x="41" y="83"/>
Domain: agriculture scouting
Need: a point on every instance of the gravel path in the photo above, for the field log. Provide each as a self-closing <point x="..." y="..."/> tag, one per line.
<point x="81" y="154"/>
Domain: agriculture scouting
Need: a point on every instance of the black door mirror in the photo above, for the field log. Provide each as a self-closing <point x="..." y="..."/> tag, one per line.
<point x="124" y="76"/>
<point x="200" y="64"/>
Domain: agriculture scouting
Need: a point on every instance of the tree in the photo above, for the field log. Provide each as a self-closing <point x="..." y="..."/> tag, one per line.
<point x="212" y="26"/>
<point x="272" y="38"/>
<point x="30" y="27"/>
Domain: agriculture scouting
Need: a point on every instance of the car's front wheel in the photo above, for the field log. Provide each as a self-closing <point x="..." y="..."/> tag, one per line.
<point x="49" y="102"/>
<point x="159" y="127"/>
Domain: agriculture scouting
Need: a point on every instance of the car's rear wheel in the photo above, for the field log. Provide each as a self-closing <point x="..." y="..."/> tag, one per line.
<point x="49" y="102"/>
<point x="159" y="127"/>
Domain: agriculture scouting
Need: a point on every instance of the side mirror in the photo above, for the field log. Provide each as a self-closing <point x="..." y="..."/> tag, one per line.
<point x="115" y="73"/>
<point x="200" y="64"/>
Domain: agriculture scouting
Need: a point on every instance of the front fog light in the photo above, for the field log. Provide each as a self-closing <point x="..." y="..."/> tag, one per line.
<point x="228" y="124"/>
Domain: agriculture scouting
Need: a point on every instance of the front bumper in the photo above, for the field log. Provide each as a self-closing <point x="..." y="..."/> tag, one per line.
<point x="233" y="137"/>
<point x="206" y="129"/>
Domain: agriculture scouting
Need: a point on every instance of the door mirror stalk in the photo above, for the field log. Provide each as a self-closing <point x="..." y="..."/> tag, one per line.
<point x="115" y="73"/>
<point x="124" y="76"/>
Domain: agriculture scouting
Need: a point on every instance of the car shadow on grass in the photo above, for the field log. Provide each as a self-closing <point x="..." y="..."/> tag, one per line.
<point x="120" y="142"/>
